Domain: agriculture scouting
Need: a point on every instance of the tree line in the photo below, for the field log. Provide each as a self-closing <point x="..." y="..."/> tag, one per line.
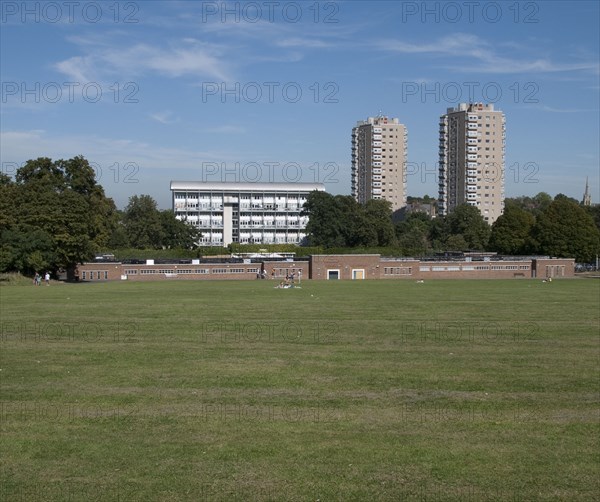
<point x="542" y="225"/>
<point x="54" y="215"/>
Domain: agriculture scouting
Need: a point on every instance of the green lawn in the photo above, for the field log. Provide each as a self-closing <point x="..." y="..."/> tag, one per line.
<point x="372" y="390"/>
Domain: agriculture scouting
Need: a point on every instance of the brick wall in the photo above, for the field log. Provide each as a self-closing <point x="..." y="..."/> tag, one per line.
<point x="344" y="267"/>
<point x="119" y="271"/>
<point x="330" y="267"/>
<point x="554" y="267"/>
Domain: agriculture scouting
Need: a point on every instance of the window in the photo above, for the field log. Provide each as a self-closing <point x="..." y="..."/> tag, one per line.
<point x="399" y="270"/>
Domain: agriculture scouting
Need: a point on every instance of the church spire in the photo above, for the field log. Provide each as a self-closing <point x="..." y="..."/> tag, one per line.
<point x="587" y="198"/>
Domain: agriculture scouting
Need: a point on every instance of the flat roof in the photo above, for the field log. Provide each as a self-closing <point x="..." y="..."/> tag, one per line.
<point x="246" y="187"/>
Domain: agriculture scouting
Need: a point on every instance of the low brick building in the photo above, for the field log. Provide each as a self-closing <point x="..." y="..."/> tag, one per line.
<point x="332" y="267"/>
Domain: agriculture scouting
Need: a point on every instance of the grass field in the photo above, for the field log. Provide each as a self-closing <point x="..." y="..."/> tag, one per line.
<point x="371" y="390"/>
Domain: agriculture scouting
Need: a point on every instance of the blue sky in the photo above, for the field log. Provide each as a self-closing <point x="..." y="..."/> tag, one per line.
<point x="154" y="91"/>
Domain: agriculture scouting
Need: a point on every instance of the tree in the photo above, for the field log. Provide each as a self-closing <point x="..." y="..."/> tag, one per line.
<point x="456" y="242"/>
<point x="466" y="220"/>
<point x="54" y="215"/>
<point x="325" y="226"/>
<point x="413" y="234"/>
<point x="565" y="229"/>
<point x="340" y="221"/>
<point x="143" y="223"/>
<point x="379" y="217"/>
<point x="510" y="232"/>
<point x="177" y="233"/>
<point x="534" y="205"/>
<point x="27" y="252"/>
<point x="354" y="224"/>
<point x="594" y="212"/>
<point x="439" y="233"/>
<point x="118" y="236"/>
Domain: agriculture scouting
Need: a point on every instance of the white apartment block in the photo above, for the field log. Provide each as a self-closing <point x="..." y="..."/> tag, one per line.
<point x="245" y="213"/>
<point x="471" y="159"/>
<point x="379" y="160"/>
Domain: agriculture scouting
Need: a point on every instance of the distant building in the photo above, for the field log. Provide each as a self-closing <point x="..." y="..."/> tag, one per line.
<point x="245" y="213"/>
<point x="587" y="197"/>
<point x="378" y="161"/>
<point x="428" y="208"/>
<point x="471" y="159"/>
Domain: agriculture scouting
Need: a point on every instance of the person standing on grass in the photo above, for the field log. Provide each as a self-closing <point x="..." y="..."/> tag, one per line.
<point x="47" y="278"/>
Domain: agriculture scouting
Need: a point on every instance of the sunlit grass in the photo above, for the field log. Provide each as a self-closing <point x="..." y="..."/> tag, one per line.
<point x="371" y="390"/>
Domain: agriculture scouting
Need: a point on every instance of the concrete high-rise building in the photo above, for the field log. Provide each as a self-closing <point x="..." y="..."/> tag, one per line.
<point x="378" y="161"/>
<point x="471" y="159"/>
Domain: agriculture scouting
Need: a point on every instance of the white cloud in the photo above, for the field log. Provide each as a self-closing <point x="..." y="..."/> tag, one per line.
<point x="310" y="43"/>
<point x="551" y="109"/>
<point x="19" y="146"/>
<point x="191" y="58"/>
<point x="77" y="69"/>
<point x="463" y="45"/>
<point x="164" y="117"/>
<point x="225" y="129"/>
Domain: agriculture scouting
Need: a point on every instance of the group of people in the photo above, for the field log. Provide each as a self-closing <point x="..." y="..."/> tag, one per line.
<point x="288" y="282"/>
<point x="37" y="279"/>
